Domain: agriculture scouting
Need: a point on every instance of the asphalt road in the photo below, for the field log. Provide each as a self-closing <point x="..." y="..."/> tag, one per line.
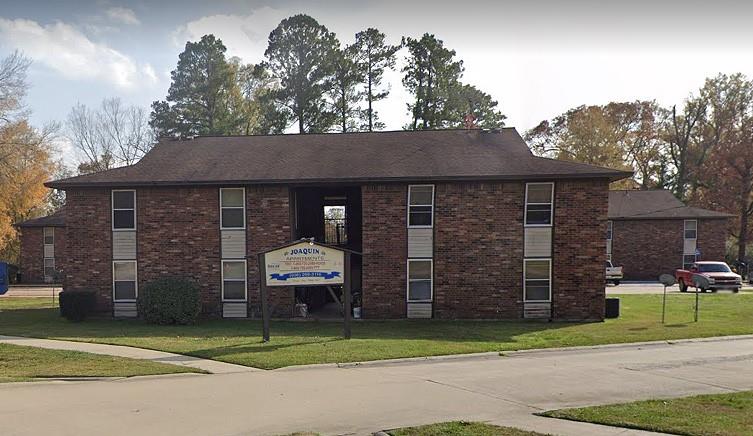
<point x="653" y="288"/>
<point x="361" y="400"/>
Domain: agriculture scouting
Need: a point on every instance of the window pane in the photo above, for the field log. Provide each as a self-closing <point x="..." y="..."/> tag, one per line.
<point x="419" y="290"/>
<point x="691" y="225"/>
<point x="421" y="195"/>
<point x="537" y="290"/>
<point x="123" y="219"/>
<point x="124" y="271"/>
<point x="49" y="240"/>
<point x="232" y="197"/>
<point x="234" y="290"/>
<point x="419" y="270"/>
<point x="49" y="235"/>
<point x="537" y="269"/>
<point x="690" y="234"/>
<point x="419" y="218"/>
<point x="123" y="199"/>
<point x="49" y="272"/>
<point x="49" y="262"/>
<point x="540" y="193"/>
<point x="232" y="218"/>
<point x="539" y="214"/>
<point x="125" y="290"/>
<point x="234" y="270"/>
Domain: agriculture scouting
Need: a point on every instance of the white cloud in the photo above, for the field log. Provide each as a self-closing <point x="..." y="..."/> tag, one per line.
<point x="66" y="50"/>
<point x="244" y="36"/>
<point x="122" y="15"/>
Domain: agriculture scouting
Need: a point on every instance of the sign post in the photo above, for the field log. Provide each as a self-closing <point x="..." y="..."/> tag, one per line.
<point x="305" y="263"/>
<point x="666" y="280"/>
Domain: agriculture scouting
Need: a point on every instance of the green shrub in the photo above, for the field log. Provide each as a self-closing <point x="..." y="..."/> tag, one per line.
<point x="76" y="306"/>
<point x="170" y="300"/>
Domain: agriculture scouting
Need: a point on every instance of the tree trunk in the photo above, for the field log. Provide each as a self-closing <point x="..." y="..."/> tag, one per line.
<point x="745" y="209"/>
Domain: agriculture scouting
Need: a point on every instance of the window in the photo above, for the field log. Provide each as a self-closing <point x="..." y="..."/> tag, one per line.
<point x="539" y="204"/>
<point x="49" y="268"/>
<point x="688" y="260"/>
<point x="420" y="205"/>
<point x="49" y="236"/>
<point x="124" y="280"/>
<point x="691" y="229"/>
<point x="537" y="274"/>
<point x="232" y="209"/>
<point x="233" y="280"/>
<point x="609" y="230"/>
<point x="124" y="210"/>
<point x="420" y="280"/>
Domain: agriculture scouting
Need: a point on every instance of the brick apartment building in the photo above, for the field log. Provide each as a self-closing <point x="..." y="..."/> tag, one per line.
<point x="651" y="233"/>
<point x="450" y="224"/>
<point x="42" y="247"/>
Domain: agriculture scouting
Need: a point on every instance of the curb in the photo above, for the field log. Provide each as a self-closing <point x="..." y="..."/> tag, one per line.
<point x="608" y="347"/>
<point x="394" y="362"/>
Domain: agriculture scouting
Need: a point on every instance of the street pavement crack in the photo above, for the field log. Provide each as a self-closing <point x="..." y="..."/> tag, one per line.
<point x="675" y="377"/>
<point x="486" y="394"/>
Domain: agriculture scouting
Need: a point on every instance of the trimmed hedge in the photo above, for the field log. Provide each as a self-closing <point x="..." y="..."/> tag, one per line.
<point x="76" y="306"/>
<point x="170" y="300"/>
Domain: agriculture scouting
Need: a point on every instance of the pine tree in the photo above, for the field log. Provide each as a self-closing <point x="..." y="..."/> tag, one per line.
<point x="374" y="56"/>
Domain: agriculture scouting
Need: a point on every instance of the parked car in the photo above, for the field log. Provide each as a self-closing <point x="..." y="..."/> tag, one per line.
<point x="718" y="274"/>
<point x="614" y="273"/>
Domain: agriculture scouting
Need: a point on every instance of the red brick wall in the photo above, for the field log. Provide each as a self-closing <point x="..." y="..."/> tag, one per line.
<point x="268" y="218"/>
<point x="478" y="251"/>
<point x="178" y="236"/>
<point x="385" y="247"/>
<point x="580" y="217"/>
<point x="88" y="251"/>
<point x="648" y="248"/>
<point x="31" y="255"/>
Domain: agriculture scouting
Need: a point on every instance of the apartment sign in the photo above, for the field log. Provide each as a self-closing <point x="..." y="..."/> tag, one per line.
<point x="304" y="264"/>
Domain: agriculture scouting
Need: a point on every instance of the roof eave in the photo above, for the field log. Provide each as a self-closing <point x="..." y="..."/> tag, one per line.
<point x="614" y="176"/>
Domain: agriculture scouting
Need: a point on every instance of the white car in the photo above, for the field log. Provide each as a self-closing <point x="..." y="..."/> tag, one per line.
<point x="614" y="273"/>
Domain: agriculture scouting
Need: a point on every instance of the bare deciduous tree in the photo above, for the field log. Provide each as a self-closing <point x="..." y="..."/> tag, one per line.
<point x="110" y="136"/>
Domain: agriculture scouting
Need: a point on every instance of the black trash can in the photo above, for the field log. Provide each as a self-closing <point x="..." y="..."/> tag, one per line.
<point x="612" y="308"/>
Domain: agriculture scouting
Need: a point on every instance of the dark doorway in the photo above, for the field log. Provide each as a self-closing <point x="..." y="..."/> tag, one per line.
<point x="331" y="215"/>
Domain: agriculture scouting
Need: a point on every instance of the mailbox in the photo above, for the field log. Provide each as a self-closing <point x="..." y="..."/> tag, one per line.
<point x="4" y="279"/>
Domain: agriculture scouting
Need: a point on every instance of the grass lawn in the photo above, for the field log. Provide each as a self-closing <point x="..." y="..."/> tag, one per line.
<point x="721" y="414"/>
<point x="460" y="428"/>
<point x="296" y="343"/>
<point x="19" y="363"/>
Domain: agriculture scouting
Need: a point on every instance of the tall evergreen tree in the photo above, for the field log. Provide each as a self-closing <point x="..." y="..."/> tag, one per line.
<point x="467" y="100"/>
<point x="261" y="113"/>
<point x="375" y="56"/>
<point x="300" y="55"/>
<point x="203" y="95"/>
<point x="432" y="75"/>
<point x="345" y="93"/>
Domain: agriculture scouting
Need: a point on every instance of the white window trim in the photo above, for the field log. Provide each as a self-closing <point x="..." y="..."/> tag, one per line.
<point x="44" y="236"/>
<point x="112" y="210"/>
<point x="549" y="300"/>
<point x="551" y="208"/>
<point x="685" y="230"/>
<point x="135" y="280"/>
<point x="408" y="280"/>
<point x="233" y="207"/>
<point x="421" y="205"/>
<point x="245" y="281"/>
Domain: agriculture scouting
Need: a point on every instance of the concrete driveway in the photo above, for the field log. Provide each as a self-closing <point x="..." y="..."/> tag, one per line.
<point x="361" y="400"/>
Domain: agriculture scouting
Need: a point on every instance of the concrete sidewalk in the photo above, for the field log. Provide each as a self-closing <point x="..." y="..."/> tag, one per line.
<point x="211" y="366"/>
<point x="362" y="400"/>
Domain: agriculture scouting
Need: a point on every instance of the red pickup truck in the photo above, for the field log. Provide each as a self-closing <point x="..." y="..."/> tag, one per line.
<point x="718" y="274"/>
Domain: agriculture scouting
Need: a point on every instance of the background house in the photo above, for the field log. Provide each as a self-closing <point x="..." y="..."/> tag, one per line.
<point x="651" y="232"/>
<point x="42" y="249"/>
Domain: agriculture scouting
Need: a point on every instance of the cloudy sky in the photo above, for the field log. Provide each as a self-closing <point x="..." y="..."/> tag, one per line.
<point x="537" y="58"/>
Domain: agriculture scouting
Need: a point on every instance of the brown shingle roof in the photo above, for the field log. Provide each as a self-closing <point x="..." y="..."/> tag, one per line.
<point x="654" y="204"/>
<point x="338" y="158"/>
<point x="56" y="219"/>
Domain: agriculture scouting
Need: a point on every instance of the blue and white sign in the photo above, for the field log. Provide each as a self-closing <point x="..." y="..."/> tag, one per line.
<point x="4" y="279"/>
<point x="305" y="264"/>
